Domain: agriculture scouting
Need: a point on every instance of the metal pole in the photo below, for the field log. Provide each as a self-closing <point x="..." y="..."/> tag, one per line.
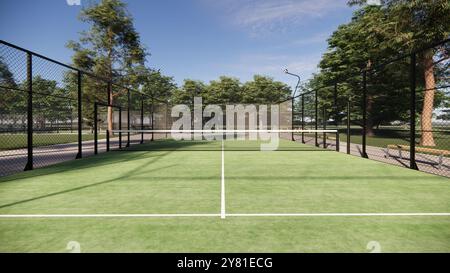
<point x="303" y="118"/>
<point x="324" y="127"/>
<point x="142" y="119"/>
<point x="336" y="115"/>
<point x="364" y="115"/>
<point x="80" y="119"/>
<point x="348" y="127"/>
<point x="29" y="165"/>
<point x="120" y="128"/>
<point x="128" y="117"/>
<point x="292" y="118"/>
<point x="95" y="130"/>
<point x="112" y="119"/>
<point x="152" y="118"/>
<point x="412" y="120"/>
<point x="316" y="125"/>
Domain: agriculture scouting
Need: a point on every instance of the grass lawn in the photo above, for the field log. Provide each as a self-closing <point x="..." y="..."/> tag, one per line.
<point x="188" y="181"/>
<point x="17" y="141"/>
<point x="386" y="138"/>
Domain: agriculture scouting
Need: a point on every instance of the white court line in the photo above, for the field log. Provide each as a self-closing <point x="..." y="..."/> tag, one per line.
<point x="106" y="215"/>
<point x="332" y="214"/>
<point x="222" y="190"/>
<point x="193" y="215"/>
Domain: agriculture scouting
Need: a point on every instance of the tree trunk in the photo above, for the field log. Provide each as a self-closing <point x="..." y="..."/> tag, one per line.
<point x="110" y="77"/>
<point x="110" y="117"/>
<point x="369" y="121"/>
<point x="427" y="138"/>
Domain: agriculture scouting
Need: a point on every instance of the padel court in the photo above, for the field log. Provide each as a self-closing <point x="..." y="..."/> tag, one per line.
<point x="223" y="196"/>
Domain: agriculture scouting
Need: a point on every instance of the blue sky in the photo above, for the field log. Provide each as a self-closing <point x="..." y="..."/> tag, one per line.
<point x="197" y="39"/>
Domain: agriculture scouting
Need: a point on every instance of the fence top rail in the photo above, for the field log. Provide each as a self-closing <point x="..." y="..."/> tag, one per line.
<point x="59" y="63"/>
<point x="405" y="55"/>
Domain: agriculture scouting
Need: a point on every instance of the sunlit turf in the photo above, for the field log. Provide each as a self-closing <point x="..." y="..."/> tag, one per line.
<point x="189" y="181"/>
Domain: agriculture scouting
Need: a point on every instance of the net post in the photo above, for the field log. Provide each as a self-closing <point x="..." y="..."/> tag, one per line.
<point x="80" y="117"/>
<point x="412" y="120"/>
<point x="29" y="165"/>
<point x="316" y="122"/>
<point x="96" y="129"/>
<point x="364" y="114"/>
<point x="128" y="116"/>
<point x="348" y="127"/>
<point x="303" y="118"/>
<point x="120" y="127"/>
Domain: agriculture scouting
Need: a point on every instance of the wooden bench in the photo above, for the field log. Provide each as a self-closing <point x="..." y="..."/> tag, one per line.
<point x="400" y="148"/>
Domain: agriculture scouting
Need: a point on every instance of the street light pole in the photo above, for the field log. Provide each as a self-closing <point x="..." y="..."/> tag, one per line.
<point x="292" y="100"/>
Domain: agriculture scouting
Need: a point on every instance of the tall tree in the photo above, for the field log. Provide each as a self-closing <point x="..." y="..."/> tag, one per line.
<point x="225" y="90"/>
<point x="264" y="90"/>
<point x="417" y="24"/>
<point x="158" y="86"/>
<point x="187" y="92"/>
<point x="111" y="48"/>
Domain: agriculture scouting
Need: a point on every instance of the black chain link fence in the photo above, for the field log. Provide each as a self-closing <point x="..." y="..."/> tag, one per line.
<point x="51" y="112"/>
<point x="396" y="112"/>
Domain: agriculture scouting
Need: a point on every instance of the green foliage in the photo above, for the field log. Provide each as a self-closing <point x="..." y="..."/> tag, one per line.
<point x="264" y="90"/>
<point x="375" y="35"/>
<point x="228" y="90"/>
<point x="156" y="85"/>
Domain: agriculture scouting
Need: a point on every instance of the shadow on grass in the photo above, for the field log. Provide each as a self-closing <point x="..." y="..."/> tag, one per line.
<point x="103" y="159"/>
<point x="126" y="175"/>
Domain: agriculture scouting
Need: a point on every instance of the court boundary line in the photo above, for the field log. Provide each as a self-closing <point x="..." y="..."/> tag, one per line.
<point x="196" y="215"/>
<point x="222" y="185"/>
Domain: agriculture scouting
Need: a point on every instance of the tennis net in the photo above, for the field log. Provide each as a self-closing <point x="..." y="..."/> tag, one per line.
<point x="216" y="140"/>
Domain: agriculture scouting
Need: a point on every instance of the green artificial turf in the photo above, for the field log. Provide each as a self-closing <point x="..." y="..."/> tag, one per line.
<point x="188" y="180"/>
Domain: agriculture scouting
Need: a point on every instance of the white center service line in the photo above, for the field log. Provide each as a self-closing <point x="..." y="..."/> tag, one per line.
<point x="222" y="190"/>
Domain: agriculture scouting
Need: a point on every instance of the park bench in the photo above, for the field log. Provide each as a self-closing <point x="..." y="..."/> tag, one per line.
<point x="400" y="148"/>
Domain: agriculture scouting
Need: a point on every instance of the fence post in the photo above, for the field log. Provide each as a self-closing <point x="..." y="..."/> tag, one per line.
<point x="303" y="118"/>
<point x="364" y="115"/>
<point x="142" y="119"/>
<point x="336" y="115"/>
<point x="348" y="127"/>
<point x="80" y="118"/>
<point x="324" y="127"/>
<point x="95" y="129"/>
<point x="29" y="165"/>
<point x="152" y="118"/>
<point x="112" y="121"/>
<point x="412" y="119"/>
<point x="120" y="127"/>
<point x="128" y="117"/>
<point x="316" y="125"/>
<point x="292" y="118"/>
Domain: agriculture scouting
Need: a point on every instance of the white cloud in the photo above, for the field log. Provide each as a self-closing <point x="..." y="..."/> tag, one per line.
<point x="275" y="15"/>
<point x="272" y="65"/>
